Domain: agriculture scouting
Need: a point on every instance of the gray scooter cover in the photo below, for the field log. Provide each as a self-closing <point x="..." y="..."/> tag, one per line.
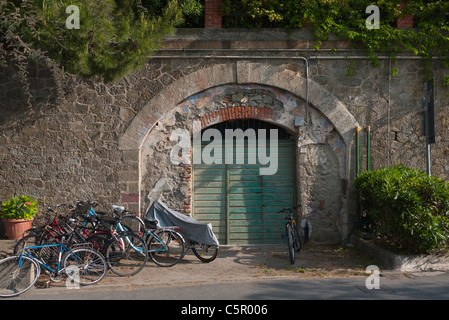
<point x="191" y="229"/>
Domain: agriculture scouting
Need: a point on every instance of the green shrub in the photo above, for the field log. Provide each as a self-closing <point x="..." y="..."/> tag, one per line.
<point x="407" y="208"/>
<point x="17" y="207"/>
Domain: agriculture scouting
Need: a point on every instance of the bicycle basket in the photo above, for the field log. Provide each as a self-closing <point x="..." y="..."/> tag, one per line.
<point x="151" y="224"/>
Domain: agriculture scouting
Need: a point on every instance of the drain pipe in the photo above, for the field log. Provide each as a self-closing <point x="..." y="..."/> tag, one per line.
<point x="306" y="121"/>
<point x="357" y="167"/>
<point x="357" y="151"/>
<point x="368" y="130"/>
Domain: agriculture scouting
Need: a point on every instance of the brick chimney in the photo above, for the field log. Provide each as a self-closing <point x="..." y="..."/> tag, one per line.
<point x="212" y="14"/>
<point x="404" y="22"/>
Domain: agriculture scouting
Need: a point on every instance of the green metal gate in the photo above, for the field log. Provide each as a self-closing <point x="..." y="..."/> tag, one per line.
<point x="240" y="203"/>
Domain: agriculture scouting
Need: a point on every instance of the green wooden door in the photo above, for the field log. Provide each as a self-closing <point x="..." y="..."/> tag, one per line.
<point x="240" y="203"/>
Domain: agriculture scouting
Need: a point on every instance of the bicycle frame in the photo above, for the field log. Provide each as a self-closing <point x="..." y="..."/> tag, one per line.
<point x="55" y="227"/>
<point x="62" y="248"/>
<point x="54" y="224"/>
<point x="118" y="228"/>
<point x="291" y="219"/>
<point x="148" y="234"/>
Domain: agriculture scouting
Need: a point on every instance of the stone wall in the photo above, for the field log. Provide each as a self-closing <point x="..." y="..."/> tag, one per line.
<point x="109" y="142"/>
<point x="321" y="151"/>
<point x="68" y="151"/>
<point x="396" y="127"/>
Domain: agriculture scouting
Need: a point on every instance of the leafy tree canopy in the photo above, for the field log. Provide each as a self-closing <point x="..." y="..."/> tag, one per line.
<point x="346" y="19"/>
<point x="113" y="38"/>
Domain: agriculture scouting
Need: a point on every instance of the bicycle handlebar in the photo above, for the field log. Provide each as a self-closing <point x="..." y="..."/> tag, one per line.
<point x="290" y="210"/>
<point x="53" y="209"/>
<point x="92" y="203"/>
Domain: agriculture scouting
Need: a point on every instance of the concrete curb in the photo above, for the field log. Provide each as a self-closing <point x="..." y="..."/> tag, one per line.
<point x="397" y="262"/>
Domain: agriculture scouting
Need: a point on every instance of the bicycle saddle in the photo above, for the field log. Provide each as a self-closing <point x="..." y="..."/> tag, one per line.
<point x="118" y="208"/>
<point x="152" y="224"/>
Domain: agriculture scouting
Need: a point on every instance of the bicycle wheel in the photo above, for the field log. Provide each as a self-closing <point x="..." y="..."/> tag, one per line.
<point x="49" y="253"/>
<point x="291" y="247"/>
<point x="33" y="239"/>
<point x="84" y="266"/>
<point x="99" y="242"/>
<point x="127" y="254"/>
<point x="298" y="242"/>
<point x="166" y="247"/>
<point x="205" y="253"/>
<point x="17" y="275"/>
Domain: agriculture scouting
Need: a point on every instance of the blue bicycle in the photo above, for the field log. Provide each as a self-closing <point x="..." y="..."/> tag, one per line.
<point x="81" y="266"/>
<point x="166" y="246"/>
<point x="125" y="251"/>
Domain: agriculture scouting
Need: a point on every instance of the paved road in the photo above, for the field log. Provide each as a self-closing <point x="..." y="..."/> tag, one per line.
<point x="242" y="276"/>
<point x="429" y="286"/>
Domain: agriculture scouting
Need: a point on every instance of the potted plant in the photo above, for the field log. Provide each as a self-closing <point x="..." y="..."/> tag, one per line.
<point x="17" y="214"/>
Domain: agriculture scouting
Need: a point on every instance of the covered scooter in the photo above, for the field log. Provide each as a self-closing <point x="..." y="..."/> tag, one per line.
<point x="190" y="228"/>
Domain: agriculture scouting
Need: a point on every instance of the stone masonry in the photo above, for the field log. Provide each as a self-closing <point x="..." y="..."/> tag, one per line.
<point x="110" y="141"/>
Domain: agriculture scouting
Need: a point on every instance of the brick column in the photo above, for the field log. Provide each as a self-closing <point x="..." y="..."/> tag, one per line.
<point x="130" y="197"/>
<point x="212" y="14"/>
<point x="187" y="202"/>
<point x="404" y="22"/>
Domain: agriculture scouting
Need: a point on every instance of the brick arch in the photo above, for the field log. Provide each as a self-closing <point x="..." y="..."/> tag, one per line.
<point x="131" y="142"/>
<point x="222" y="115"/>
<point x="240" y="72"/>
<point x="233" y="113"/>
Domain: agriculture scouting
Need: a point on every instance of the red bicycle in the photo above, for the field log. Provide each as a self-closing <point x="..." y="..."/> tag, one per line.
<point x="38" y="236"/>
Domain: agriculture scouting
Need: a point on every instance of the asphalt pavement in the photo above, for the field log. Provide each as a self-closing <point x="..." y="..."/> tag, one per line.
<point x="251" y="272"/>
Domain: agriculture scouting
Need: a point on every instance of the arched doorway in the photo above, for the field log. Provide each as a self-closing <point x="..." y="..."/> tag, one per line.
<point x="324" y="142"/>
<point x="240" y="200"/>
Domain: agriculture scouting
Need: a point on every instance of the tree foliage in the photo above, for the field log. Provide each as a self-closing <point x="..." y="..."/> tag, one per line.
<point x="115" y="36"/>
<point x="407" y="208"/>
<point x="346" y="19"/>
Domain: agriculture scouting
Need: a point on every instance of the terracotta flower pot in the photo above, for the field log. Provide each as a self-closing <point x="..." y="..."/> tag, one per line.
<point x="16" y="227"/>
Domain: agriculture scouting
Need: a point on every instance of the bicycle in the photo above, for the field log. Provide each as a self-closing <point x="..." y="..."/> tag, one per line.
<point x="82" y="266"/>
<point x="125" y="251"/>
<point x="165" y="245"/>
<point x="68" y="233"/>
<point x="291" y="232"/>
<point x="40" y="235"/>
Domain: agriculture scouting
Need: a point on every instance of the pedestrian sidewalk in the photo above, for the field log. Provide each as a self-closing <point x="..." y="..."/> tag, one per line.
<point x="240" y="263"/>
<point x="247" y="264"/>
<point x="6" y="247"/>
